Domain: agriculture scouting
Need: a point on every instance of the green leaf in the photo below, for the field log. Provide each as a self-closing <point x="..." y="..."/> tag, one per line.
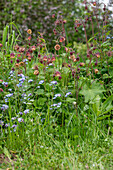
<point x="90" y="92"/>
<point x="107" y="102"/>
<point x="70" y="100"/>
<point x="40" y="91"/>
<point x="41" y="101"/>
<point x="103" y="117"/>
<point x="6" y="152"/>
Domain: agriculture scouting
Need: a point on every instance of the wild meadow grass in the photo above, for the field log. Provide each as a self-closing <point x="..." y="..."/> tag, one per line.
<point x="56" y="105"/>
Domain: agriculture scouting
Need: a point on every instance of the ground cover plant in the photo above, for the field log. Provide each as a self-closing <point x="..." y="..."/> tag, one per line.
<point x="56" y="105"/>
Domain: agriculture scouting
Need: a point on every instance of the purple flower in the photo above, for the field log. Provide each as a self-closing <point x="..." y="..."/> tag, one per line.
<point x="38" y="87"/>
<point x="22" y="79"/>
<point x="9" y="89"/>
<point x="67" y="94"/>
<point x="53" y="83"/>
<point x="42" y="119"/>
<point x="50" y="64"/>
<point x="13" y="118"/>
<point x="26" y="111"/>
<point x="4" y="107"/>
<point x="25" y="60"/>
<point x="29" y="81"/>
<point x="20" y="113"/>
<point x="30" y="94"/>
<point x="5" y="84"/>
<point x="9" y="95"/>
<point x="6" y="100"/>
<point x="54" y="105"/>
<point x="20" y="119"/>
<point x="14" y="126"/>
<point x="19" y="85"/>
<point x="57" y="95"/>
<point x="41" y="82"/>
<point x="6" y="125"/>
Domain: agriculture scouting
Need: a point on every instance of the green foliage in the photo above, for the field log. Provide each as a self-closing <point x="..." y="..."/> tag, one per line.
<point x="90" y="92"/>
<point x="55" y="103"/>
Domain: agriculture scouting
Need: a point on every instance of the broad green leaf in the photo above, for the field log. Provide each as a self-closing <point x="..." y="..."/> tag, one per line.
<point x="41" y="101"/>
<point x="90" y="92"/>
<point x="40" y="91"/>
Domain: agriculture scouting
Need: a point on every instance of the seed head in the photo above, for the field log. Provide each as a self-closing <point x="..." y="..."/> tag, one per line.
<point x="57" y="74"/>
<point x="1" y="45"/>
<point x="97" y="55"/>
<point x="53" y="58"/>
<point x="45" y="58"/>
<point x="57" y="47"/>
<point x="64" y="21"/>
<point x="36" y="72"/>
<point x="53" y="16"/>
<point x="21" y="63"/>
<point x="12" y="55"/>
<point x="17" y="65"/>
<point x="33" y="48"/>
<point x="82" y="64"/>
<point x="62" y="39"/>
<point x="96" y="71"/>
<point x="74" y="60"/>
<point x="94" y="3"/>
<point x="29" y="31"/>
<point x="29" y="58"/>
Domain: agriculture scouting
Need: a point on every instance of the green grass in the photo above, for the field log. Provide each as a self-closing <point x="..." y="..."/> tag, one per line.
<point x="56" y="108"/>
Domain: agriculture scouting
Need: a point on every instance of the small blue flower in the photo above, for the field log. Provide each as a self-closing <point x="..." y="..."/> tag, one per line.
<point x="19" y="85"/>
<point x="41" y="82"/>
<point x="107" y="37"/>
<point x="22" y="79"/>
<point x="50" y="64"/>
<point x="38" y="87"/>
<point x="14" y="126"/>
<point x="29" y="81"/>
<point x="6" y="101"/>
<point x="30" y="94"/>
<point x="53" y="83"/>
<point x="4" y="107"/>
<point x="67" y="94"/>
<point x="42" y="119"/>
<point x="5" y="84"/>
<point x="20" y="119"/>
<point x="14" y="130"/>
<point x="6" y="125"/>
<point x="9" y="95"/>
<point x="59" y="104"/>
<point x="57" y="95"/>
<point x="26" y="111"/>
<point x="23" y="95"/>
<point x="10" y="90"/>
<point x="54" y="105"/>
<point x="13" y="118"/>
<point x="20" y="113"/>
<point x="25" y="60"/>
<point x="11" y="72"/>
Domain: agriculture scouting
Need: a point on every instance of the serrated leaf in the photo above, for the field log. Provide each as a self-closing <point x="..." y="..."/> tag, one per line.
<point x="40" y="91"/>
<point x="90" y="92"/>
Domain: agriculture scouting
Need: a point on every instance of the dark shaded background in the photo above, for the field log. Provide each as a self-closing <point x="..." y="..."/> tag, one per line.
<point x="37" y="16"/>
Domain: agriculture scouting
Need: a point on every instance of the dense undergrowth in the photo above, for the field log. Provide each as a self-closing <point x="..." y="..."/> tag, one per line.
<point x="56" y="106"/>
